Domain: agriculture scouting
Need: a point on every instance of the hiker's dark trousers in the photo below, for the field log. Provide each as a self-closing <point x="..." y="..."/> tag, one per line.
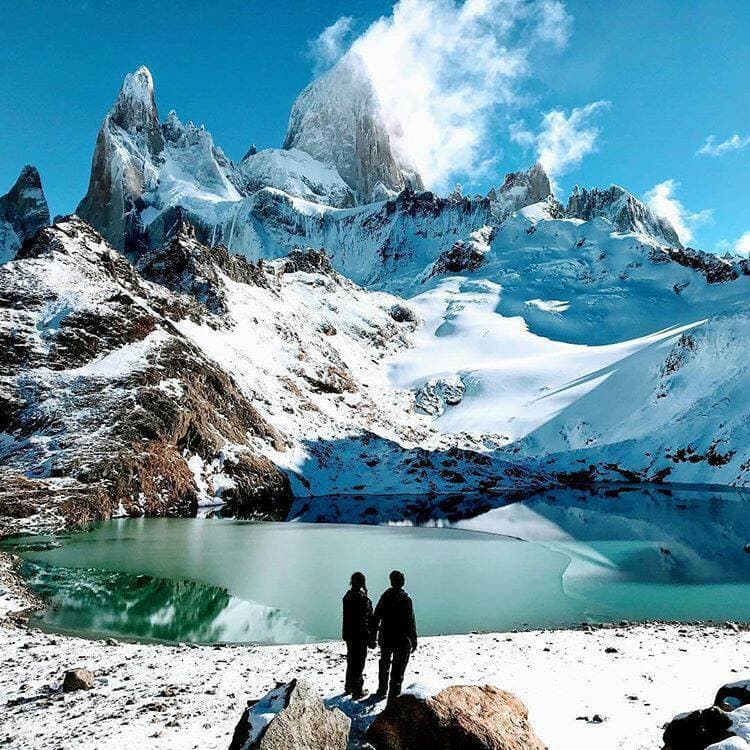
<point x="356" y="655"/>
<point x="393" y="661"/>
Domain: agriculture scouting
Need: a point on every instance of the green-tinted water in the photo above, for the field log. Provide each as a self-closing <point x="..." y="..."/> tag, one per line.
<point x="644" y="556"/>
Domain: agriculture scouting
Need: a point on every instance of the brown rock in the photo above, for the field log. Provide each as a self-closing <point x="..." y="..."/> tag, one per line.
<point x="78" y="679"/>
<point x="461" y="717"/>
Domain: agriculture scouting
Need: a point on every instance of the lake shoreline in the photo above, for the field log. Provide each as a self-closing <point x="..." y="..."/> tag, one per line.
<point x="634" y="677"/>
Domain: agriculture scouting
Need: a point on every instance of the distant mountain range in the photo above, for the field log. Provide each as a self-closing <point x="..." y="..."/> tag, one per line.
<point x="178" y="343"/>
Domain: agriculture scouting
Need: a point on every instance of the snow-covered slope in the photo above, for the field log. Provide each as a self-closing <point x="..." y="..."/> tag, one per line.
<point x="124" y="395"/>
<point x="23" y="211"/>
<point x="338" y="119"/>
<point x="427" y="344"/>
<point x="296" y="173"/>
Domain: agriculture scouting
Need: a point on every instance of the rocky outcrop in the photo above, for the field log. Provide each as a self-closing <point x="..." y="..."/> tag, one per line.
<point x="723" y="726"/>
<point x="521" y="189"/>
<point x="438" y="393"/>
<point x="461" y="717"/>
<point x="23" y="212"/>
<point x="339" y="121"/>
<point x="698" y="729"/>
<point x="715" y="270"/>
<point x="733" y="695"/>
<point x="624" y="210"/>
<point x="308" y="260"/>
<point x="291" y="717"/>
<point x="465" y="255"/>
<point x="185" y="266"/>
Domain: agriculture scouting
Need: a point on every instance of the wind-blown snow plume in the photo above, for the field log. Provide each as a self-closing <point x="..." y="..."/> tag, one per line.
<point x="662" y="201"/>
<point x="330" y="44"/>
<point x="733" y="143"/>
<point x="563" y="139"/>
<point x="442" y="69"/>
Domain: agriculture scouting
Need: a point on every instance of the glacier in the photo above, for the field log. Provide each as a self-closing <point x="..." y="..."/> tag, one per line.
<point x="309" y="320"/>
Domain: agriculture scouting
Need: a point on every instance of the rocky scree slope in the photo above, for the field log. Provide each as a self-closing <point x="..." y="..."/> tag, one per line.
<point x="104" y="402"/>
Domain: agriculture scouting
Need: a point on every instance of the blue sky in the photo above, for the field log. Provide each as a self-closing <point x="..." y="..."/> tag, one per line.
<point x="672" y="73"/>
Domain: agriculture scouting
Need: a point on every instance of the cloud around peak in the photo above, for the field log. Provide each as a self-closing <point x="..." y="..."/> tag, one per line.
<point x="661" y="199"/>
<point x="445" y="71"/>
<point x="563" y="138"/>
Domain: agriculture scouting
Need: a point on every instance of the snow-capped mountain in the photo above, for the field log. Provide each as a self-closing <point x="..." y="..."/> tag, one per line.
<point x="624" y="210"/>
<point x="296" y="173"/>
<point x="198" y="350"/>
<point x="142" y="169"/>
<point x="339" y="120"/>
<point x="23" y="211"/>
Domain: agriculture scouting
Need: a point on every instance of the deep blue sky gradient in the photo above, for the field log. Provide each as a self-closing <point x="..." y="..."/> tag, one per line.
<point x="675" y="71"/>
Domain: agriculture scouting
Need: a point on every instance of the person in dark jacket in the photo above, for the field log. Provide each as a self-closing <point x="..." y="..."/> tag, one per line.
<point x="397" y="636"/>
<point x="356" y="631"/>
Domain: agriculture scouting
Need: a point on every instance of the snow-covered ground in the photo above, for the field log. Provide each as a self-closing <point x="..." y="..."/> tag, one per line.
<point x="635" y="678"/>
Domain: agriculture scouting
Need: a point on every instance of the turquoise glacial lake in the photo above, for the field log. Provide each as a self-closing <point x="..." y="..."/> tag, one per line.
<point x="551" y="561"/>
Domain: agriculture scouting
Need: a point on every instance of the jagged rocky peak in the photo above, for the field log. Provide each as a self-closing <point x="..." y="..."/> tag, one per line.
<point x="186" y="266"/>
<point x="531" y="186"/>
<point x="522" y="189"/>
<point x="135" y="108"/>
<point x="339" y="120"/>
<point x="123" y="164"/>
<point x="624" y="210"/>
<point x="23" y="212"/>
<point x="142" y="170"/>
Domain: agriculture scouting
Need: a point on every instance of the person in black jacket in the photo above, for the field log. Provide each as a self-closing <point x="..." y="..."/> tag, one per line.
<point x="397" y="636"/>
<point x="356" y="631"/>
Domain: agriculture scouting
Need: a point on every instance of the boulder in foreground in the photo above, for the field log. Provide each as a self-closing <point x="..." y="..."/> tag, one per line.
<point x="461" y="717"/>
<point x="77" y="679"/>
<point x="291" y="717"/>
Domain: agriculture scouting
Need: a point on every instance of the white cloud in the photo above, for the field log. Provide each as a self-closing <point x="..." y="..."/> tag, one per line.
<point x="443" y="69"/>
<point x="564" y="139"/>
<point x="742" y="245"/>
<point x="330" y="44"/>
<point x="662" y="201"/>
<point x="712" y="148"/>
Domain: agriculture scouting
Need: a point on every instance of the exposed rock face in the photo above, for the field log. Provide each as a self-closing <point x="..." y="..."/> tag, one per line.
<point x="338" y="120"/>
<point x="521" y="189"/>
<point x="624" y="210"/>
<point x="308" y="260"/>
<point x="438" y="393"/>
<point x="291" y="717"/>
<point x="465" y="255"/>
<point x="461" y="717"/>
<point x="141" y="168"/>
<point x="23" y="212"/>
<point x="733" y="695"/>
<point x="714" y="269"/>
<point x="122" y="168"/>
<point x="186" y="266"/>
